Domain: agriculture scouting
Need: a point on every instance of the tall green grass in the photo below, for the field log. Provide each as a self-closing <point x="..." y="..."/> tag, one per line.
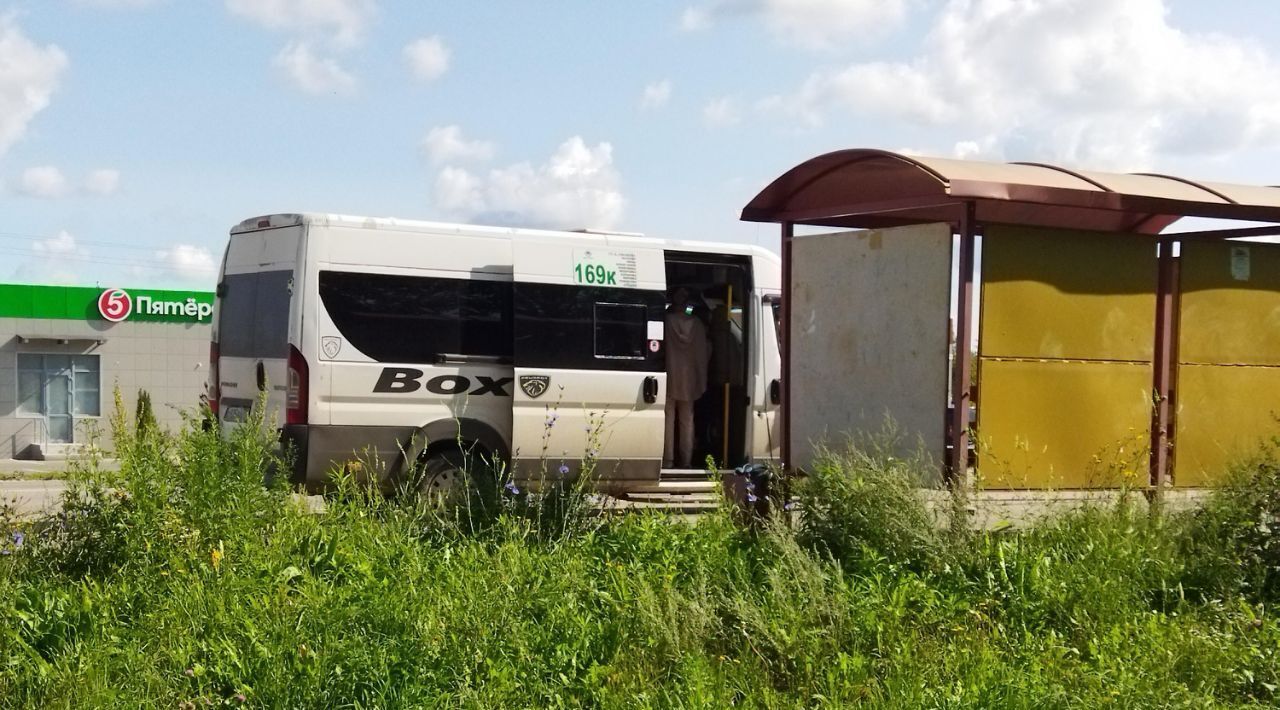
<point x="183" y="581"/>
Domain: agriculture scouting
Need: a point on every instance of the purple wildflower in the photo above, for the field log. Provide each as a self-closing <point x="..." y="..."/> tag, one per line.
<point x="511" y="488"/>
<point x="18" y="539"/>
<point x="751" y="498"/>
<point x="564" y="469"/>
<point x="788" y="505"/>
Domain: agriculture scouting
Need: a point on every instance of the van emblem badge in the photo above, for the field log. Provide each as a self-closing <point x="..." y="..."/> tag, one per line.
<point x="534" y="385"/>
<point x="331" y="346"/>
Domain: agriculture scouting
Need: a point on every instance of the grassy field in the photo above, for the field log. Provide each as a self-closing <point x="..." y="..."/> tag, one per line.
<point x="192" y="585"/>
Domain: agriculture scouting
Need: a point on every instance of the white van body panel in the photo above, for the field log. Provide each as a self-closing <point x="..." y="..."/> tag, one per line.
<point x="371" y="411"/>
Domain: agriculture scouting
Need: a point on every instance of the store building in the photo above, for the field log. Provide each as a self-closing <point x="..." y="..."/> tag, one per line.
<point x="64" y="350"/>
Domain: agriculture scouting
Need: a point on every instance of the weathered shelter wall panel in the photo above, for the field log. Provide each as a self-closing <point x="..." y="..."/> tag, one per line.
<point x="1060" y="424"/>
<point x="869" y="337"/>
<point x="1223" y="414"/>
<point x="1064" y="367"/>
<point x="1067" y="295"/>
<point x="1228" y="387"/>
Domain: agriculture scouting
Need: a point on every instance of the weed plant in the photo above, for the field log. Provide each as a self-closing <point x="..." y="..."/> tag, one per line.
<point x="184" y="581"/>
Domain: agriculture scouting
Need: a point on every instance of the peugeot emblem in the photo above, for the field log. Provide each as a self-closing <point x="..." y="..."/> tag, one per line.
<point x="535" y="385"/>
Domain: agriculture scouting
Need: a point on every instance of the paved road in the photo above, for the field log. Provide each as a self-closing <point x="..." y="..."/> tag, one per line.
<point x="32" y="497"/>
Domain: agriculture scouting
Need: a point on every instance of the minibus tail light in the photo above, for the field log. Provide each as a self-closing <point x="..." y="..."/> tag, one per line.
<point x="215" y="387"/>
<point x="295" y="401"/>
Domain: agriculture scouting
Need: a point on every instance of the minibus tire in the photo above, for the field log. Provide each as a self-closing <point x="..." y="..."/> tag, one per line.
<point x="445" y="474"/>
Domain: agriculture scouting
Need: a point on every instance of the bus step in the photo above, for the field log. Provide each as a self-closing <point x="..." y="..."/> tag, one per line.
<point x="684" y="474"/>
<point x="684" y="501"/>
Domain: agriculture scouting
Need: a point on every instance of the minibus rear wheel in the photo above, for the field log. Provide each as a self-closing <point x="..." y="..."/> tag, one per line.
<point x="448" y="473"/>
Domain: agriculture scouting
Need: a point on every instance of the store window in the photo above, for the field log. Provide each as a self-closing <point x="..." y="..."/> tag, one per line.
<point x="59" y="385"/>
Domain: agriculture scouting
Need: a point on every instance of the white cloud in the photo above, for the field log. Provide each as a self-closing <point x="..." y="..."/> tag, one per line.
<point x="427" y="58"/>
<point x="446" y="144"/>
<point x="188" y="263"/>
<point x="29" y="74"/>
<point x="43" y="181"/>
<point x="578" y="187"/>
<point x="459" y="192"/>
<point x="56" y="260"/>
<point x="810" y="24"/>
<point x="1102" y="83"/>
<point x="102" y="182"/>
<point x="313" y="74"/>
<point x="696" y="19"/>
<point x="342" y="22"/>
<point x="60" y="246"/>
<point x="721" y="112"/>
<point x="334" y="24"/>
<point x="656" y="94"/>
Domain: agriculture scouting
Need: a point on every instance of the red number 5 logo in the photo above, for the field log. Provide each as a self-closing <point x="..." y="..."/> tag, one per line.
<point x="114" y="304"/>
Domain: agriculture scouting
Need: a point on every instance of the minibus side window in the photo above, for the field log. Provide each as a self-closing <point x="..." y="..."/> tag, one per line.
<point x="774" y="305"/>
<point x="419" y="319"/>
<point x="587" y="328"/>
<point x="620" y="330"/>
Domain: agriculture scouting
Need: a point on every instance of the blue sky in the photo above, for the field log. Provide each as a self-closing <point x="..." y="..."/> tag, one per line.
<point x="134" y="133"/>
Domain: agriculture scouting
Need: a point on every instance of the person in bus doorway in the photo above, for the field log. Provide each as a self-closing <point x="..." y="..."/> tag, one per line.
<point x="688" y="354"/>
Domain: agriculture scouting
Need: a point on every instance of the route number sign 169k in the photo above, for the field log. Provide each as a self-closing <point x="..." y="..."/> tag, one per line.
<point x="604" y="267"/>
<point x="595" y="275"/>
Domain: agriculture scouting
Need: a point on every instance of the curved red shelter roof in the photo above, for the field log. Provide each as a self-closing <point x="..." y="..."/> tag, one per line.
<point x="865" y="188"/>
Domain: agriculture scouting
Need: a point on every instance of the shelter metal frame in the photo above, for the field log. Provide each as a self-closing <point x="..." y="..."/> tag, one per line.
<point x="867" y="189"/>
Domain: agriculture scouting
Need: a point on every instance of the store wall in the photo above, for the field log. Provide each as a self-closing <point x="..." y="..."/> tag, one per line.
<point x="169" y="360"/>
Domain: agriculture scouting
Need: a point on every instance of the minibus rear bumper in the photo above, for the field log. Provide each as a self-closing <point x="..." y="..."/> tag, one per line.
<point x="317" y="454"/>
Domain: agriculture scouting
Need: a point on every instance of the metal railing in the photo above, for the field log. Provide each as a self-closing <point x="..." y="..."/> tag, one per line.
<point x="41" y="438"/>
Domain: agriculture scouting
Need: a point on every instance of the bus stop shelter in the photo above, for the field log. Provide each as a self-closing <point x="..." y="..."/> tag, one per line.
<point x="1109" y="351"/>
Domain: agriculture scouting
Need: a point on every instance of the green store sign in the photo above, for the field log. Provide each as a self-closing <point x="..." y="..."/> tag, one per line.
<point x="112" y="304"/>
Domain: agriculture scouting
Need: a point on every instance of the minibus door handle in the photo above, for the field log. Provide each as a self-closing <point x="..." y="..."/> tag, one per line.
<point x="775" y="392"/>
<point x="650" y="389"/>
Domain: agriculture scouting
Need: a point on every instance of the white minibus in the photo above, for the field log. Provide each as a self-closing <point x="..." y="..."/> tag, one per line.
<point x="384" y="346"/>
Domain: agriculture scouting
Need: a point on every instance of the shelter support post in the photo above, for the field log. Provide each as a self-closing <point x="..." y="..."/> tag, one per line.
<point x="961" y="392"/>
<point x="1164" y="369"/>
<point x="784" y="428"/>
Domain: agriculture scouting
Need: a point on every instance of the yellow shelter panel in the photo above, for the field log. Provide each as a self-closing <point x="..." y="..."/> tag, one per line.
<point x="1230" y="303"/>
<point x="1223" y="414"/>
<point x="1061" y="294"/>
<point x="1055" y="424"/>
